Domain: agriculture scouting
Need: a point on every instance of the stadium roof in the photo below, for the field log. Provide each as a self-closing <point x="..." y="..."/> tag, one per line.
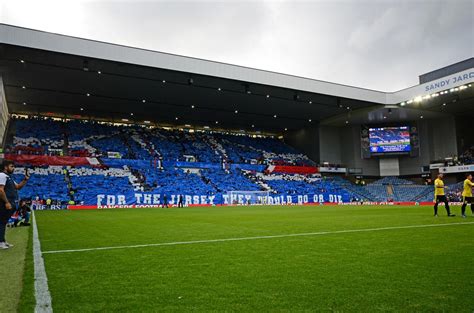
<point x="447" y="70"/>
<point x="51" y="73"/>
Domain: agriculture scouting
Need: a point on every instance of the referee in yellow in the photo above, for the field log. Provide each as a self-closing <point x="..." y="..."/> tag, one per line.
<point x="440" y="196"/>
<point x="467" y="195"/>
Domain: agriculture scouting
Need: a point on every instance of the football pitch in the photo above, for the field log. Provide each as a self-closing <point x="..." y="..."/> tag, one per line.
<point x="259" y="258"/>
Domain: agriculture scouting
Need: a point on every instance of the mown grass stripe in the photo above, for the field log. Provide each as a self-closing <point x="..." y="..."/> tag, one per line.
<point x="175" y="243"/>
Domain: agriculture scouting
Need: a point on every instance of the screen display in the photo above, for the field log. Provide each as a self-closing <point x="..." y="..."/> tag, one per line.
<point x="389" y="139"/>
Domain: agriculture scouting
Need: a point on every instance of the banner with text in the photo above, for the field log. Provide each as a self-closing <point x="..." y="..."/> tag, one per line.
<point x="457" y="169"/>
<point x="156" y="199"/>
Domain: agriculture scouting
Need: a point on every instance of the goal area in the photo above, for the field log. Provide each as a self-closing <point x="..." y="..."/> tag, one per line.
<point x="242" y="197"/>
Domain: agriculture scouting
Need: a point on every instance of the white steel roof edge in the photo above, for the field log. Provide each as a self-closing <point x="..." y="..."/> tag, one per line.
<point x="36" y="39"/>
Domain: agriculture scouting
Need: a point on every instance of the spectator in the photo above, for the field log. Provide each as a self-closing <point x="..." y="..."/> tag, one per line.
<point x="21" y="216"/>
<point x="8" y="198"/>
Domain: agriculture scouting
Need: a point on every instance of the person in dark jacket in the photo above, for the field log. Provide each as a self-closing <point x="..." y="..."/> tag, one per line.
<point x="8" y="198"/>
<point x="165" y="201"/>
<point x="180" y="201"/>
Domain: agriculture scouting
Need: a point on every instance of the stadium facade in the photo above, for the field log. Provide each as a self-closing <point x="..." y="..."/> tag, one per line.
<point x="52" y="75"/>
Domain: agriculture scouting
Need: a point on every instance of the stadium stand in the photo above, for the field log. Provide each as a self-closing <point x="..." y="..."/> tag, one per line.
<point x="467" y="157"/>
<point x="135" y="168"/>
<point x="81" y="138"/>
<point x="453" y="193"/>
<point x="391" y="180"/>
<point x="89" y="182"/>
<point x="38" y="136"/>
<point x="359" y="193"/>
<point x="45" y="183"/>
<point x="396" y="189"/>
<point x="211" y="163"/>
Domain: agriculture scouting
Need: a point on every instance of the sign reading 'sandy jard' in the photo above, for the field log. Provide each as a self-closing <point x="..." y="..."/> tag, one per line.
<point x="451" y="81"/>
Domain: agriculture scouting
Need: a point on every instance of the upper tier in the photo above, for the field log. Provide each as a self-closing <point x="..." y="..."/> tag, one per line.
<point x="80" y="138"/>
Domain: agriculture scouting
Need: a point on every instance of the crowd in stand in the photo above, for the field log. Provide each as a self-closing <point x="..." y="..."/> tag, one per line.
<point x="88" y="138"/>
<point x="138" y="171"/>
<point x="467" y="157"/>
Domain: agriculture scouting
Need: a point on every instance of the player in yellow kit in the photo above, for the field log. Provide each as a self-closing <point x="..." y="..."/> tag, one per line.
<point x="467" y="195"/>
<point x="440" y="196"/>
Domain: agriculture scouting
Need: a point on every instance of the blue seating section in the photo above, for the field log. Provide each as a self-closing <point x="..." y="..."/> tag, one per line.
<point x="299" y="184"/>
<point x="176" y="181"/>
<point x="238" y="148"/>
<point x="292" y="187"/>
<point x="41" y="129"/>
<point x="87" y="183"/>
<point x="135" y="142"/>
<point x="453" y="192"/>
<point x="391" y="180"/>
<point x="113" y="143"/>
<point x="231" y="180"/>
<point x="409" y="192"/>
<point x="78" y="130"/>
<point x="195" y="145"/>
<point x="402" y="189"/>
<point x="167" y="144"/>
<point x="37" y="136"/>
<point x="378" y="193"/>
<point x="44" y="183"/>
<point x="136" y="151"/>
<point x="359" y="193"/>
<point x="140" y="147"/>
<point x="89" y="186"/>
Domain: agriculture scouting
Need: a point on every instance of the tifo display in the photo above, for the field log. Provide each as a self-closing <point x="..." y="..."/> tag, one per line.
<point x="101" y="164"/>
<point x="108" y="165"/>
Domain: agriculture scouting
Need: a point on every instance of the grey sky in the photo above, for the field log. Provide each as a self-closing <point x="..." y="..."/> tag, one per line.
<point x="380" y="45"/>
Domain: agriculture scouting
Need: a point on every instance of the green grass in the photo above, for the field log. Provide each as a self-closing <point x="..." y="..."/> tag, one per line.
<point x="402" y="270"/>
<point x="27" y="299"/>
<point x="12" y="263"/>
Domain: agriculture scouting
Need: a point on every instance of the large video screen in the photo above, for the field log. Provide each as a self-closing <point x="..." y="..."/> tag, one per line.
<point x="389" y="139"/>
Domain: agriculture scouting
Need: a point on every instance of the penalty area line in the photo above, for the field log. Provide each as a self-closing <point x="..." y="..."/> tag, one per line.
<point x="320" y="233"/>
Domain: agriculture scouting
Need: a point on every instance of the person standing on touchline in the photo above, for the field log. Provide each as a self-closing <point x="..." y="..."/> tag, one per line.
<point x="8" y="198"/>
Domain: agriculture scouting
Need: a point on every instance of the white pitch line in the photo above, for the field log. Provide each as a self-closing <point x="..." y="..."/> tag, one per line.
<point x="42" y="295"/>
<point x="256" y="238"/>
